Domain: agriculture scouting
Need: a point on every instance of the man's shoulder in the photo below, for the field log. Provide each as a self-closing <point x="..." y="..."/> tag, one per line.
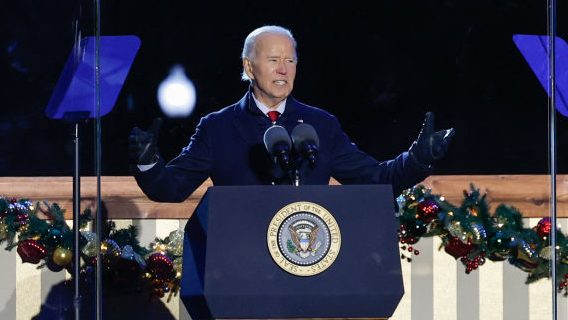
<point x="227" y="111"/>
<point x="313" y="111"/>
<point x="224" y="113"/>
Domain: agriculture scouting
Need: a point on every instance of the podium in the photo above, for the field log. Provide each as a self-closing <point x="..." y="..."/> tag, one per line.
<point x="292" y="252"/>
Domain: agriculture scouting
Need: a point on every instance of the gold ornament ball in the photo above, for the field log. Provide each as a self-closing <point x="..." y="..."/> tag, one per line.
<point x="62" y="256"/>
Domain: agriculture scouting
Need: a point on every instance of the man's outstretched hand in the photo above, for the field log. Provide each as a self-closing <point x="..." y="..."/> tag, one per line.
<point x="431" y="146"/>
<point x="143" y="145"/>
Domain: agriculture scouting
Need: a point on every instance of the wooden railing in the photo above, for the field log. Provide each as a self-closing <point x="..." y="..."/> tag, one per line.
<point x="124" y="200"/>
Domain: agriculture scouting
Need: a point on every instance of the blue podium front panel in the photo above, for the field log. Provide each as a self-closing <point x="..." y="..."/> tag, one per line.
<point x="229" y="272"/>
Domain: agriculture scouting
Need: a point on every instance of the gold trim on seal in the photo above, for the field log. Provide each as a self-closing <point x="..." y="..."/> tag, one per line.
<point x="273" y="241"/>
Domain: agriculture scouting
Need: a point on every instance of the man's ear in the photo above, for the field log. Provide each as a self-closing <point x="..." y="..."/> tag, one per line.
<point x="247" y="67"/>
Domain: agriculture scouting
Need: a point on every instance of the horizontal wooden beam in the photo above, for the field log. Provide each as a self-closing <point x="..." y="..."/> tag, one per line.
<point x="528" y="193"/>
<point x="124" y="199"/>
<point x="121" y="196"/>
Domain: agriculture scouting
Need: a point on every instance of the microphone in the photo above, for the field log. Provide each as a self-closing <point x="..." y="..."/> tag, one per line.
<point x="306" y="142"/>
<point x="278" y="144"/>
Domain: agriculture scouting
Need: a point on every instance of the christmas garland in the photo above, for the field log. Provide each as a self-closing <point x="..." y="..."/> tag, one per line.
<point x="42" y="237"/>
<point x="469" y="233"/>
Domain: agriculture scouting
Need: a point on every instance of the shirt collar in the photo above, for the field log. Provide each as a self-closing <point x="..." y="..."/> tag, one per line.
<point x="264" y="109"/>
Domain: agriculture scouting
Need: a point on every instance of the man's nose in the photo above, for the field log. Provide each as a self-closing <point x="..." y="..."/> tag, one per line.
<point x="281" y="68"/>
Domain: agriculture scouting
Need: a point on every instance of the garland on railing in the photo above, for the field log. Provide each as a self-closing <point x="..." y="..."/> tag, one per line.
<point x="126" y="265"/>
<point x="469" y="233"/>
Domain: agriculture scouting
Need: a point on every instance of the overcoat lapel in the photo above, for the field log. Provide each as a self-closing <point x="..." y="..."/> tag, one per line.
<point x="248" y="121"/>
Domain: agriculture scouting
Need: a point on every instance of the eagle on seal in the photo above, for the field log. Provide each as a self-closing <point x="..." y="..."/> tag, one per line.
<point x="304" y="239"/>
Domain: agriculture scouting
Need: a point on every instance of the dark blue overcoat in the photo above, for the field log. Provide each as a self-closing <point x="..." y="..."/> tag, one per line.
<point x="228" y="147"/>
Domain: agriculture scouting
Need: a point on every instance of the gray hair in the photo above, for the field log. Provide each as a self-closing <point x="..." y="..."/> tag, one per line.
<point x="250" y="42"/>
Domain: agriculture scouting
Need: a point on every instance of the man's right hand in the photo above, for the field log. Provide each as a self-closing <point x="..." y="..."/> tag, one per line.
<point x="143" y="145"/>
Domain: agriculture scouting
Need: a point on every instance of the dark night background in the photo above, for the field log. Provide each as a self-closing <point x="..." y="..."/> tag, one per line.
<point x="378" y="66"/>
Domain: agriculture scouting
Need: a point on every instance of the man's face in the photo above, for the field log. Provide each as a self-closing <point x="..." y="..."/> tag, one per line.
<point x="272" y="68"/>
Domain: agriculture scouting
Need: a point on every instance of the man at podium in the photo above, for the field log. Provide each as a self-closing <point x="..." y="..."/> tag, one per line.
<point x="229" y="145"/>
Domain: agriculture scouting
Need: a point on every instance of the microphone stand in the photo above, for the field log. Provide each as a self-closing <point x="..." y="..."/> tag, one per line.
<point x="304" y="161"/>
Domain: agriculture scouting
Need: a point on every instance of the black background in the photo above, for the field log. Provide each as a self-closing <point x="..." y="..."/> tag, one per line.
<point x="378" y="66"/>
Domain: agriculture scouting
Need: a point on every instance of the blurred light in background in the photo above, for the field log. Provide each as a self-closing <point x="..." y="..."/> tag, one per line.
<point x="176" y="94"/>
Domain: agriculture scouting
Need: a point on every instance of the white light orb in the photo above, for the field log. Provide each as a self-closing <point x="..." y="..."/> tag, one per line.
<point x="176" y="94"/>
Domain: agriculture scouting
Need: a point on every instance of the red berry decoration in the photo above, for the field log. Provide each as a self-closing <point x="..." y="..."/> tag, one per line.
<point x="457" y="248"/>
<point x="406" y="237"/>
<point x="473" y="263"/>
<point x="31" y="251"/>
<point x="543" y="227"/>
<point x="160" y="265"/>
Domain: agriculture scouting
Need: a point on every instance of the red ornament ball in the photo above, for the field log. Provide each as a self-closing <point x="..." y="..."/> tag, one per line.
<point x="160" y="265"/>
<point x="31" y="251"/>
<point x="543" y="227"/>
<point x="427" y="210"/>
<point x="457" y="248"/>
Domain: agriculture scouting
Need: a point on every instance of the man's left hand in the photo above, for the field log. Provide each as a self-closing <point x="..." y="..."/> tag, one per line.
<point x="431" y="146"/>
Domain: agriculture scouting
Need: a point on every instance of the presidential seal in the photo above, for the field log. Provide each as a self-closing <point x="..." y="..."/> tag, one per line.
<point x="303" y="238"/>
